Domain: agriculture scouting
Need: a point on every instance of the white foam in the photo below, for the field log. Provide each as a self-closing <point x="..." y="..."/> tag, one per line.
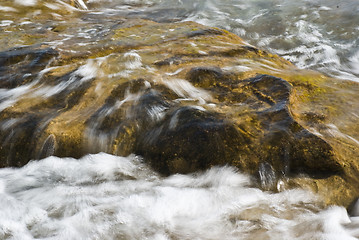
<point x="7" y="9"/>
<point x="325" y="8"/>
<point x="354" y="62"/>
<point x="175" y="72"/>
<point x="157" y="113"/>
<point x="52" y="6"/>
<point x="10" y="97"/>
<point x="84" y="73"/>
<point x="26" y="2"/>
<point x="25" y="23"/>
<point x="185" y="89"/>
<point x="90" y="70"/>
<point x="107" y="197"/>
<point x="132" y="60"/>
<point x="81" y="4"/>
<point x="335" y="132"/>
<point x="5" y="23"/>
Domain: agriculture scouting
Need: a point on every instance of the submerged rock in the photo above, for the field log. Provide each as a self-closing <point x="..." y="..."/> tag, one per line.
<point x="192" y="138"/>
<point x="185" y="97"/>
<point x="189" y="139"/>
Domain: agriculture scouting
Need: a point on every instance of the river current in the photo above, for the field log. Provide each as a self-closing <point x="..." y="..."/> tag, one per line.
<point x="102" y="196"/>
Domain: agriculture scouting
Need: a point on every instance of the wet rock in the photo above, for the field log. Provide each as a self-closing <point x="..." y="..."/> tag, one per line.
<point x="48" y="148"/>
<point x="210" y="31"/>
<point x="286" y="144"/>
<point x="21" y="65"/>
<point x="17" y="136"/>
<point x="190" y="139"/>
<point x="185" y="97"/>
<point x="169" y="61"/>
<point x="277" y="138"/>
<point x="267" y="175"/>
<point x="243" y="50"/>
<point x="205" y="76"/>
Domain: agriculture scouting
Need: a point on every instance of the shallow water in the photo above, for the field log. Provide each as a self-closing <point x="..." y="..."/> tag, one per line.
<point x="106" y="197"/>
<point x="320" y="34"/>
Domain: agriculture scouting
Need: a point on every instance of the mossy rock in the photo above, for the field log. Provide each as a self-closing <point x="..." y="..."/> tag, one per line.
<point x="184" y="96"/>
<point x="200" y="139"/>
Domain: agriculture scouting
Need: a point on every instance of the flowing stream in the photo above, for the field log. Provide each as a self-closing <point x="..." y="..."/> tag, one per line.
<point x="102" y="196"/>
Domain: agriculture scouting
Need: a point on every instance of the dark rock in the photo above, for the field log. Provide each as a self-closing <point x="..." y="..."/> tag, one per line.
<point x="203" y="32"/>
<point x="17" y="144"/>
<point x="205" y="76"/>
<point x="48" y="148"/>
<point x="240" y="51"/>
<point x="190" y="139"/>
<point x="169" y="61"/>
<point x="288" y="146"/>
<point x="21" y="65"/>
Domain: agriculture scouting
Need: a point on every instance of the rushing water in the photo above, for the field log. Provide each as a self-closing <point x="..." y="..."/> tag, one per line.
<point x="316" y="34"/>
<point x="106" y="197"/>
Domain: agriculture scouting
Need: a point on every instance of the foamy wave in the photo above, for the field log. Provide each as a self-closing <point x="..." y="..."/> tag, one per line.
<point x="107" y="197"/>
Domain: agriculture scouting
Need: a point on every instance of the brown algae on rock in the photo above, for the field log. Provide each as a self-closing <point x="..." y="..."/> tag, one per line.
<point x="184" y="96"/>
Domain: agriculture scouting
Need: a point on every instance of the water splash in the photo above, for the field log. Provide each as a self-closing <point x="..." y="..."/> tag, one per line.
<point x="107" y="197"/>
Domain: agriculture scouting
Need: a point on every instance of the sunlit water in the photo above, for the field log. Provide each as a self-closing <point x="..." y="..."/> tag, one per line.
<point x="106" y="197"/>
<point x="317" y="34"/>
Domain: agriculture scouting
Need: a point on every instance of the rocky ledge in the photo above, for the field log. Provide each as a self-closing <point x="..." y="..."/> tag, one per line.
<point x="183" y="96"/>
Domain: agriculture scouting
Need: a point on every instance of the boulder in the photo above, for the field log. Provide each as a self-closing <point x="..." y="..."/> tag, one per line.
<point x="185" y="97"/>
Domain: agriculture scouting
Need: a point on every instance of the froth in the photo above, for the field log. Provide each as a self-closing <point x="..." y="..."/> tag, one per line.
<point x="107" y="197"/>
<point x="26" y="2"/>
